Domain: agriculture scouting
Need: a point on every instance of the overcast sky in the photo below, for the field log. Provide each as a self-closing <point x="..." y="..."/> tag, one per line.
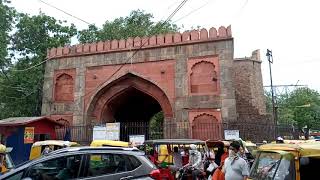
<point x="290" y="28"/>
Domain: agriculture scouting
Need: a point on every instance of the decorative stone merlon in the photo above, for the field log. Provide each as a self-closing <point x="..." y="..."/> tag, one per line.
<point x="133" y="43"/>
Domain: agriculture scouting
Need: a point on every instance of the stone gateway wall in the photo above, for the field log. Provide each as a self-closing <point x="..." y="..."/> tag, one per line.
<point x="190" y="74"/>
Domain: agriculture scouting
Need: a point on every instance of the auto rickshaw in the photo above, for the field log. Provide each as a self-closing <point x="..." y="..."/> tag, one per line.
<point x="96" y="160"/>
<point x="38" y="147"/>
<point x="6" y="162"/>
<point x="288" y="141"/>
<point x="158" y="152"/>
<point x="299" y="161"/>
<point x="250" y="146"/>
<point x="109" y="143"/>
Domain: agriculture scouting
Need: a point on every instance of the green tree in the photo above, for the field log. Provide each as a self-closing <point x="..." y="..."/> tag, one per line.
<point x="21" y="92"/>
<point x="302" y="108"/>
<point x="156" y="123"/>
<point x="7" y="15"/>
<point x="268" y="101"/>
<point x="26" y="38"/>
<point x="137" y="24"/>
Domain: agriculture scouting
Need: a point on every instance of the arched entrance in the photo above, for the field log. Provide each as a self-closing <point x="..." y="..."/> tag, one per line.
<point x="132" y="101"/>
<point x="206" y="126"/>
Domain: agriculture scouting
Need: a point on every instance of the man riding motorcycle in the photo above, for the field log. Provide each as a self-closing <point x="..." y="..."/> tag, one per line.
<point x="195" y="162"/>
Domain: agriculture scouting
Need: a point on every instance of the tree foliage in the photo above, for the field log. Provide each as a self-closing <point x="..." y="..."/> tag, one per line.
<point x="24" y="41"/>
<point x="300" y="108"/>
<point x="21" y="89"/>
<point x="268" y="101"/>
<point x="6" y="20"/>
<point x="35" y="34"/>
<point x="304" y="104"/>
<point x="137" y="24"/>
<point x="156" y="122"/>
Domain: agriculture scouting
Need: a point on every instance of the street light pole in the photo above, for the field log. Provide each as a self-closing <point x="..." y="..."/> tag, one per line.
<point x="274" y="110"/>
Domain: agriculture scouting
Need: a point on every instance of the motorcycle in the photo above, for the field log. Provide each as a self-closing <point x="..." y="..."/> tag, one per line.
<point x="185" y="173"/>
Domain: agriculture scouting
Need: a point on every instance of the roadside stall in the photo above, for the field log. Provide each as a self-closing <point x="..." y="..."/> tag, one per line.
<point x="21" y="132"/>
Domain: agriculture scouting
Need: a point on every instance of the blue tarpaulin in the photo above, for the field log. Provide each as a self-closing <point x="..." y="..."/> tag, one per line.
<point x="20" y="152"/>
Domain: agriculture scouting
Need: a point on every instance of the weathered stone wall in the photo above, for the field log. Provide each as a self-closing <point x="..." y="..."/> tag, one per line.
<point x="250" y="98"/>
<point x="163" y="60"/>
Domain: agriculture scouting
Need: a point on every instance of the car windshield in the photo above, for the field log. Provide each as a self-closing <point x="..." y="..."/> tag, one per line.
<point x="272" y="166"/>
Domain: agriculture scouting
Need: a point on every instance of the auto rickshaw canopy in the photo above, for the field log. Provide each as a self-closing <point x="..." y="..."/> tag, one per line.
<point x="55" y="143"/>
<point x="214" y="143"/>
<point x="296" y="141"/>
<point x="174" y="142"/>
<point x="99" y="143"/>
<point x="2" y="148"/>
<point x="308" y="149"/>
<point x="250" y="144"/>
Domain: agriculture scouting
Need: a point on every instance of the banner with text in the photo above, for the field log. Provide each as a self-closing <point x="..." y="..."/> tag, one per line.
<point x="113" y="131"/>
<point x="136" y="140"/>
<point x="99" y="133"/>
<point x="231" y="134"/>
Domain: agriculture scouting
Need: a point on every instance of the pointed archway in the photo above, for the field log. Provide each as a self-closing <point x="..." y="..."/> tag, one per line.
<point x="130" y="100"/>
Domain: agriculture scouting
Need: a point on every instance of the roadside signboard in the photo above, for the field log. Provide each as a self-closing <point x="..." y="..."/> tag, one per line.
<point x="113" y="131"/>
<point x="99" y="133"/>
<point x="136" y="140"/>
<point x="231" y="134"/>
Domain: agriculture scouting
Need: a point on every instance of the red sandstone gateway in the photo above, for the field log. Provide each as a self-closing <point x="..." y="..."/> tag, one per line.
<point x="192" y="77"/>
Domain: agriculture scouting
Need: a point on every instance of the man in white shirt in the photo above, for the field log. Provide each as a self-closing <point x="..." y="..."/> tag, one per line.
<point x="235" y="167"/>
<point x="195" y="161"/>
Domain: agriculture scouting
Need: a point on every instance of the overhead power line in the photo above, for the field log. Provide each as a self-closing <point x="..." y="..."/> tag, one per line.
<point x="37" y="65"/>
<point x="238" y="14"/>
<point x="64" y="12"/>
<point x="287" y="85"/>
<point x="193" y="11"/>
<point x="34" y="66"/>
<point x="29" y="68"/>
<point x="136" y="51"/>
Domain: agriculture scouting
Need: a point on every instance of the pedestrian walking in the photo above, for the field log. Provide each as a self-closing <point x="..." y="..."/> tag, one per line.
<point x="235" y="167"/>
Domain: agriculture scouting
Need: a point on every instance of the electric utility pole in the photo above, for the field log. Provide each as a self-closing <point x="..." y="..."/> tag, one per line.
<point x="274" y="110"/>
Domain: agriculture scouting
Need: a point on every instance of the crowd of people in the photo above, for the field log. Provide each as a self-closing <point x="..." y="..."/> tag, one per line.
<point x="225" y="163"/>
